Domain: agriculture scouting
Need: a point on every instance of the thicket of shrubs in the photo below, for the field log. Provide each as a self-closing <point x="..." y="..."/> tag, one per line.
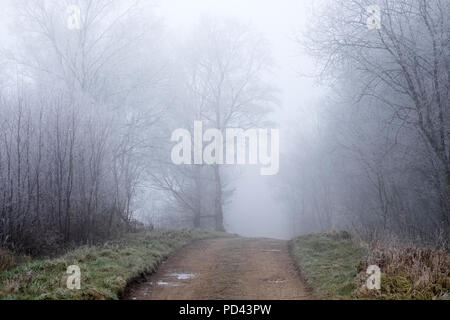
<point x="407" y="272"/>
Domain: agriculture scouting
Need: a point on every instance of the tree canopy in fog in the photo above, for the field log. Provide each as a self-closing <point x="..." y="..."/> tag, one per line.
<point x="388" y="123"/>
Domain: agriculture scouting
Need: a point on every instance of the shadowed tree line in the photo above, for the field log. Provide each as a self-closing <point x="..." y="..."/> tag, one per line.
<point x="379" y="161"/>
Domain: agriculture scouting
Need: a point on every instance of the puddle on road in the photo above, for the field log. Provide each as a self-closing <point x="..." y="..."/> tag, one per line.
<point x="168" y="279"/>
<point x="167" y="284"/>
<point x="183" y="276"/>
<point x="276" y="280"/>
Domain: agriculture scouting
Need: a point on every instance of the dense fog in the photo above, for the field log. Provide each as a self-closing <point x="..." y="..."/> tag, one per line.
<point x="95" y="97"/>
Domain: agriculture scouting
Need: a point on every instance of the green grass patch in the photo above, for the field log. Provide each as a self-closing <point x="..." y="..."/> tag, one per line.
<point x="329" y="263"/>
<point x="105" y="270"/>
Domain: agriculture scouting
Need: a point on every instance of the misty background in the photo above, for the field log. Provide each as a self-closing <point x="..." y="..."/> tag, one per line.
<point x="86" y="117"/>
<point x="255" y="209"/>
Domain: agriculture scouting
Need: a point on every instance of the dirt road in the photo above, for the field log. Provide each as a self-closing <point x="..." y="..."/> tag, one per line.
<point x="219" y="269"/>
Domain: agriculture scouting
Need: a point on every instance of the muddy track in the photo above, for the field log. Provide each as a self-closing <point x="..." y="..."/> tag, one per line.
<point x="236" y="268"/>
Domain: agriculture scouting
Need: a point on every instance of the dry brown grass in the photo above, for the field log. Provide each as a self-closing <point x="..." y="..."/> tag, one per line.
<point x="408" y="273"/>
<point x="7" y="260"/>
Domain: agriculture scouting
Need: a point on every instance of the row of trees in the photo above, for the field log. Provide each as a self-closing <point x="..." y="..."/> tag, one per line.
<point x="381" y="151"/>
<point x="75" y="112"/>
<point x="87" y="113"/>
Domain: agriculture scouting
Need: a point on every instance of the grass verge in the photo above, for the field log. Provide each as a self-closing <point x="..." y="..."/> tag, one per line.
<point x="329" y="263"/>
<point x="335" y="264"/>
<point x="105" y="270"/>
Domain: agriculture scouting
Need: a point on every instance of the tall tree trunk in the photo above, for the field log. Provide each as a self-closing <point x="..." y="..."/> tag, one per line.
<point x="445" y="213"/>
<point x="218" y="210"/>
<point x="197" y="220"/>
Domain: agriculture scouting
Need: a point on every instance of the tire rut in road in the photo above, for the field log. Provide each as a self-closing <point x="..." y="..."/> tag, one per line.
<point x="219" y="269"/>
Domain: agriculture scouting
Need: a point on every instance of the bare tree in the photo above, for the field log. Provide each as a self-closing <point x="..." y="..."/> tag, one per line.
<point x="226" y="63"/>
<point x="396" y="82"/>
<point x="77" y="124"/>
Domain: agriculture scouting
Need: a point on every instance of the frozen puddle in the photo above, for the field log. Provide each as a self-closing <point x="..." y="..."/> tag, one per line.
<point x="183" y="276"/>
<point x="276" y="281"/>
<point x="167" y="284"/>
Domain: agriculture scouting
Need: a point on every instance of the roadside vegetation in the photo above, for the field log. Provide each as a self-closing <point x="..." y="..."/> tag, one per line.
<point x="329" y="263"/>
<point x="106" y="269"/>
<point x="408" y="272"/>
<point x="335" y="264"/>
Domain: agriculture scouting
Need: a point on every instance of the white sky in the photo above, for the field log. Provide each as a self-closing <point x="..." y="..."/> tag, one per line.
<point x="278" y="20"/>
